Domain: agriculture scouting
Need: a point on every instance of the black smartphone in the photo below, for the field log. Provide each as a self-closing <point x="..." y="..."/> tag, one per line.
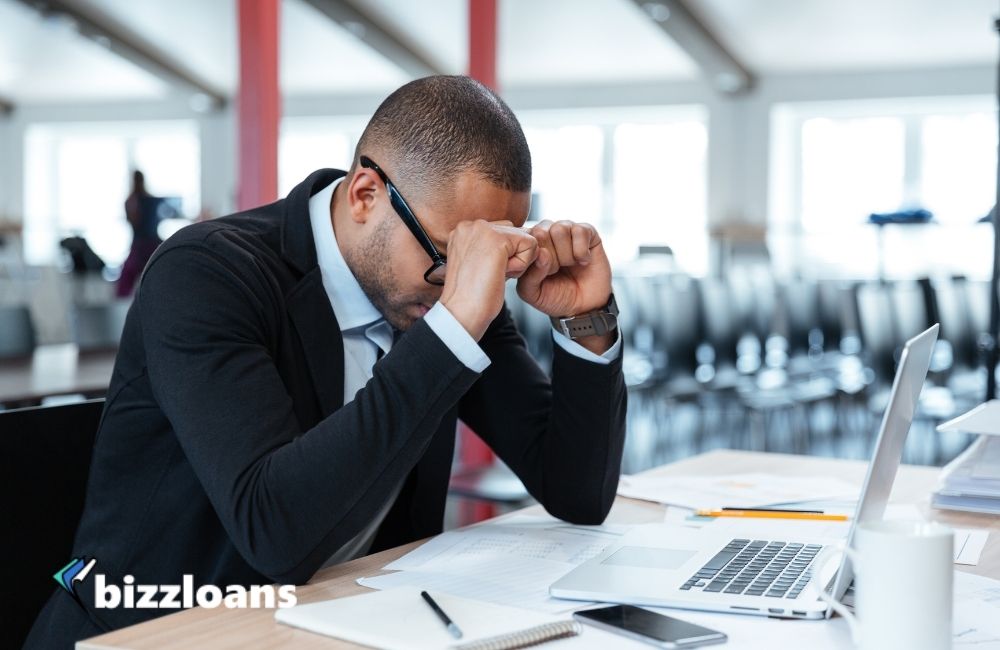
<point x="650" y="627"/>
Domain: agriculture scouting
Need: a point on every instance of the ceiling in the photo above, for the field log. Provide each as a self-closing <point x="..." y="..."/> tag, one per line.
<point x="785" y="36"/>
<point x="541" y="43"/>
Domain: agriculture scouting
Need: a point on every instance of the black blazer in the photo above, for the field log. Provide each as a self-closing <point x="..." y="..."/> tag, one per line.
<point x="226" y="452"/>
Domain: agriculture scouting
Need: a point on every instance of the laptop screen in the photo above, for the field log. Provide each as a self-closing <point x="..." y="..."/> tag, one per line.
<point x="913" y="365"/>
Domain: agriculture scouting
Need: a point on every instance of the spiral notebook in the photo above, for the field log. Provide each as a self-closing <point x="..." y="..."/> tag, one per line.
<point x="399" y="619"/>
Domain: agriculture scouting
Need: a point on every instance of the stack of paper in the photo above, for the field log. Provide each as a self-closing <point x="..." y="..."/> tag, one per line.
<point x="971" y="482"/>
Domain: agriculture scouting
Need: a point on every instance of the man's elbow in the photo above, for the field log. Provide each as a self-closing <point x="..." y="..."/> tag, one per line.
<point x="582" y="512"/>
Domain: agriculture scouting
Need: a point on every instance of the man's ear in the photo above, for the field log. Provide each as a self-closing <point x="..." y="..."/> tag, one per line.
<point x="362" y="191"/>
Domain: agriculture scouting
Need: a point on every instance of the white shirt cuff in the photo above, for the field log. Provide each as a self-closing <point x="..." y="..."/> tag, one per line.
<point x="578" y="350"/>
<point x="453" y="335"/>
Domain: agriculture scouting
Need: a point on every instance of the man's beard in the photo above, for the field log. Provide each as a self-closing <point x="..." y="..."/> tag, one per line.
<point x="371" y="265"/>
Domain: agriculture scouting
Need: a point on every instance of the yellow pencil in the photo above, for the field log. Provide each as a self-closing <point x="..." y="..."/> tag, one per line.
<point x="768" y="514"/>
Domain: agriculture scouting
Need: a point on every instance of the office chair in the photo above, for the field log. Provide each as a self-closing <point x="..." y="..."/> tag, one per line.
<point x="99" y="327"/>
<point x="17" y="332"/>
<point x="45" y="456"/>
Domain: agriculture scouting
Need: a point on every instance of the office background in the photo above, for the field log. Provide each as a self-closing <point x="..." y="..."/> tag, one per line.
<point x="730" y="151"/>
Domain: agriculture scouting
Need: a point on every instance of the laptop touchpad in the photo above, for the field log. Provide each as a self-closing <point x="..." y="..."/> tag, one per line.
<point x="649" y="558"/>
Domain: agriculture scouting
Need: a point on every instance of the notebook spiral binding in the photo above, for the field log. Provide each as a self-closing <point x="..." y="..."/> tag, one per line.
<point x="525" y="638"/>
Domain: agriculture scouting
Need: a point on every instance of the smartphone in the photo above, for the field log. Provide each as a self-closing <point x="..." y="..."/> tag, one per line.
<point x="650" y="627"/>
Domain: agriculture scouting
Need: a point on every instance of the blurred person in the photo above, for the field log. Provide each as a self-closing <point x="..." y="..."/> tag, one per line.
<point x="142" y="210"/>
<point x="289" y="380"/>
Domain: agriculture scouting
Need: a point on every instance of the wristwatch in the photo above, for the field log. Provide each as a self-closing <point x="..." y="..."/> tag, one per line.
<point x="593" y="323"/>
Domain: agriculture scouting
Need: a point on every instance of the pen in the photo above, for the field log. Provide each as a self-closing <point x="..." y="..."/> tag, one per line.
<point x="452" y="628"/>
<point x="811" y="512"/>
<point x="770" y="514"/>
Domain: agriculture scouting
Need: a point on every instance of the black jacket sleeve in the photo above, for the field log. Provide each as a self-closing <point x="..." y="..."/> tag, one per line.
<point x="287" y="497"/>
<point x="563" y="439"/>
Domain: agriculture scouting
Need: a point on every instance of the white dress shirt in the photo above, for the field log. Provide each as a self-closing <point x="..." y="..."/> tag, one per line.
<point x="366" y="333"/>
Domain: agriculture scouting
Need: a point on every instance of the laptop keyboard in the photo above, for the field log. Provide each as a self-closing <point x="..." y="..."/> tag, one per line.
<point x="757" y="568"/>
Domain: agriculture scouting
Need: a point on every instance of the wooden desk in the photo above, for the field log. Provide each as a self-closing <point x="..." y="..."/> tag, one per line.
<point x="223" y="628"/>
<point x="55" y="370"/>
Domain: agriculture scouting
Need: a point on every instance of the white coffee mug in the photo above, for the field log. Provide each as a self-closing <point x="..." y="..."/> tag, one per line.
<point x="902" y="585"/>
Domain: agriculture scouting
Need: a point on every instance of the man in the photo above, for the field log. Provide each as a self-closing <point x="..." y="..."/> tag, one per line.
<point x="289" y="378"/>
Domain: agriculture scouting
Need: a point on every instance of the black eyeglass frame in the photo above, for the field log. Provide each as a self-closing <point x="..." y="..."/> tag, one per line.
<point x="406" y="214"/>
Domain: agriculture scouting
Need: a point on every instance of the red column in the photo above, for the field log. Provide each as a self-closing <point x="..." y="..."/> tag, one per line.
<point x="258" y="103"/>
<point x="483" y="42"/>
<point x="483" y="68"/>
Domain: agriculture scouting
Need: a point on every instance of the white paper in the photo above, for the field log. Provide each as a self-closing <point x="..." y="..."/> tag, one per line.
<point x="984" y="419"/>
<point x="494" y="582"/>
<point x="969" y="545"/>
<point x="734" y="490"/>
<point x="977" y="612"/>
<point x="512" y="539"/>
<point x="511" y="561"/>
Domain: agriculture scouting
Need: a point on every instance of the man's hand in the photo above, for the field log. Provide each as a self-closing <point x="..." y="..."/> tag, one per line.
<point x="570" y="276"/>
<point x="481" y="256"/>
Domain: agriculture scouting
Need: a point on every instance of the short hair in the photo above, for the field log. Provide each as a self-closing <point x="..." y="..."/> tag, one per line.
<point x="437" y="127"/>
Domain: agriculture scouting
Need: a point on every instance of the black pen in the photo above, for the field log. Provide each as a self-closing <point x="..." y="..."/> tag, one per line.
<point x="452" y="628"/>
<point x="805" y="512"/>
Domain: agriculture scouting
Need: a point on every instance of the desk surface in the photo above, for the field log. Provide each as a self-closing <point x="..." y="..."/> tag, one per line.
<point x="224" y="628"/>
<point x="58" y="369"/>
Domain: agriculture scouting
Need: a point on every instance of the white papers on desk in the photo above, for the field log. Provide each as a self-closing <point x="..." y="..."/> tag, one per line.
<point x="984" y="419"/>
<point x="510" y="562"/>
<point x="977" y="612"/>
<point x="734" y="490"/>
<point x="971" y="482"/>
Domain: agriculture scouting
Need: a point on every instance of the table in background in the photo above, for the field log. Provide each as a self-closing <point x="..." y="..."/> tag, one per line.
<point x="232" y="628"/>
<point x="59" y="369"/>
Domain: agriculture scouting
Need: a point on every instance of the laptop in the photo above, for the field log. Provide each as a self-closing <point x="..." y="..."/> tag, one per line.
<point x="748" y="565"/>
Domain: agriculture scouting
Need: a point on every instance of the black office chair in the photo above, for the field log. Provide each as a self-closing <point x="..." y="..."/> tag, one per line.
<point x="99" y="327"/>
<point x="17" y="332"/>
<point x="45" y="457"/>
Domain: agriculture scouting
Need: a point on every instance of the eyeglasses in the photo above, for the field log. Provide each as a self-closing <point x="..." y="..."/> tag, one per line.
<point x="436" y="274"/>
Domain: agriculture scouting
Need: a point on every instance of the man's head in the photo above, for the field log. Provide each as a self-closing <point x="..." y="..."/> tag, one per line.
<point x="455" y="152"/>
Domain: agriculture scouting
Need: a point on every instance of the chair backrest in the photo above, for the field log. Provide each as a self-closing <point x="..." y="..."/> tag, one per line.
<point x="838" y="313"/>
<point x="45" y="458"/>
<point x="99" y="327"/>
<point x="723" y="321"/>
<point x="877" y="325"/>
<point x="17" y="332"/>
<point x="911" y="308"/>
<point x="800" y="309"/>
<point x="956" y="324"/>
<point x="679" y="324"/>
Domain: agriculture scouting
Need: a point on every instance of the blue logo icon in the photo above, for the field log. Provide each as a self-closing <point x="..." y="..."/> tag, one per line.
<point x="76" y="571"/>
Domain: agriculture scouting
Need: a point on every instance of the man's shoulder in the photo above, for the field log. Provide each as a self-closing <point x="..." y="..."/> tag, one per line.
<point x="256" y="231"/>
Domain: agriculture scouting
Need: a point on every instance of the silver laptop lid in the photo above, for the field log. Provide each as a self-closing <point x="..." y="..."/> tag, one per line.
<point x="910" y="374"/>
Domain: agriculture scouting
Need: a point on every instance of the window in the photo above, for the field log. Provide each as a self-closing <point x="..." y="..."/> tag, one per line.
<point x="835" y="163"/>
<point x="638" y="174"/>
<point x="77" y="177"/>
<point x="566" y="172"/>
<point x="660" y="190"/>
<point x="308" y="144"/>
<point x="850" y="168"/>
<point x="958" y="166"/>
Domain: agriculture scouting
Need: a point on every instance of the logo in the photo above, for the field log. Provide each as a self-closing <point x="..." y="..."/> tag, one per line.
<point x="75" y="572"/>
<point x="135" y="596"/>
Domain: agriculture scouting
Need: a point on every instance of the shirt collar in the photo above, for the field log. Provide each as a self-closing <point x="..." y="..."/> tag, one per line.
<point x="348" y="299"/>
